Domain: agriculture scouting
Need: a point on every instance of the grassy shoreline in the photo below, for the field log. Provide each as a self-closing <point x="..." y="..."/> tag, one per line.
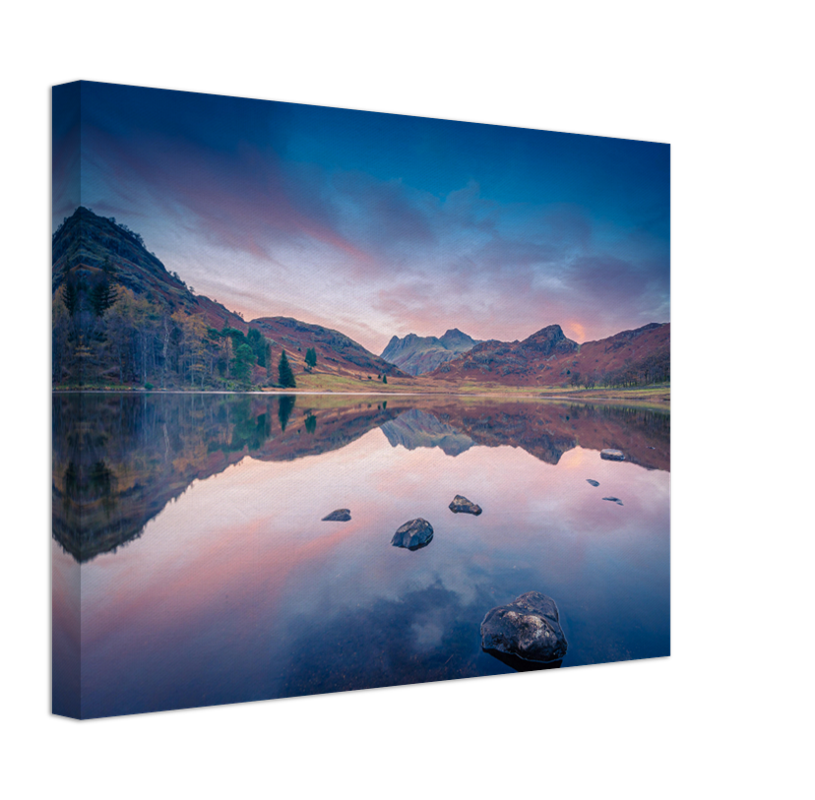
<point x="658" y="396"/>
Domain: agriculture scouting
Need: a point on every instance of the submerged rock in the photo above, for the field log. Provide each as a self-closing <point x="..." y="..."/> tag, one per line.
<point x="614" y="500"/>
<point x="340" y="515"/>
<point x="528" y="629"/>
<point x="612" y="455"/>
<point x="461" y="505"/>
<point x="413" y="535"/>
<point x="592" y="482"/>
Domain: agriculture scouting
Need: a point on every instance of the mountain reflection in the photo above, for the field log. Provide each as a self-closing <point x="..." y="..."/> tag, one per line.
<point x="119" y="459"/>
<point x="415" y="428"/>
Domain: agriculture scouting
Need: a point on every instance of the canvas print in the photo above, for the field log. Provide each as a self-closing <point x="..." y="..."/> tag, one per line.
<point x="345" y="400"/>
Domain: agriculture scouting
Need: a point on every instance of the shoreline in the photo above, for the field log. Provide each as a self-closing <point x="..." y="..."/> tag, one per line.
<point x="654" y="397"/>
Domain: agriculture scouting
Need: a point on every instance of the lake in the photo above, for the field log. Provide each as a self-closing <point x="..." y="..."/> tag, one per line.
<point x="193" y="525"/>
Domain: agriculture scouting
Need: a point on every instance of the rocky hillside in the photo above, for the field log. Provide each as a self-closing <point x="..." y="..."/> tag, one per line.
<point x="87" y="249"/>
<point x="417" y="355"/>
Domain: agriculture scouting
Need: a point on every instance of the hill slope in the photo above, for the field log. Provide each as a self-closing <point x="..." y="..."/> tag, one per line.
<point x="86" y="248"/>
<point x="336" y="352"/>
<point x="121" y="318"/>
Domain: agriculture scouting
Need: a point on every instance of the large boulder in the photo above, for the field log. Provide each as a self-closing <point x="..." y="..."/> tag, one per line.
<point x="461" y="505"/>
<point x="413" y="535"/>
<point x="528" y="628"/>
<point x="340" y="515"/>
<point x="612" y="455"/>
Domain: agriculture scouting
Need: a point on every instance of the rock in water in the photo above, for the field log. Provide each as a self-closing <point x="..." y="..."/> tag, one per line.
<point x="413" y="535"/>
<point x="340" y="515"/>
<point x="527" y="628"/>
<point x="592" y="482"/>
<point x="614" y="500"/>
<point x="461" y="505"/>
<point x="612" y="455"/>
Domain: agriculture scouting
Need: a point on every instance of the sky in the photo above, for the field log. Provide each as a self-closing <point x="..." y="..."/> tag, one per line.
<point x="375" y="224"/>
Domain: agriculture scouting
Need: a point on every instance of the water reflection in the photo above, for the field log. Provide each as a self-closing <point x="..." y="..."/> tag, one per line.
<point x="231" y="588"/>
<point x="119" y="459"/>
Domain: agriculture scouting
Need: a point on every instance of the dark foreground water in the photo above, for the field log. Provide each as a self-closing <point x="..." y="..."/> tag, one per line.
<point x="188" y="540"/>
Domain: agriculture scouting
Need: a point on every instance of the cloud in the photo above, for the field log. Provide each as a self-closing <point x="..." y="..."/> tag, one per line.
<point x="604" y="277"/>
<point x="237" y="200"/>
<point x="374" y="255"/>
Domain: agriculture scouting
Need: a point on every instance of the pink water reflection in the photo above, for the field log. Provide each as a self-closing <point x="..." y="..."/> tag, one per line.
<point x="214" y="602"/>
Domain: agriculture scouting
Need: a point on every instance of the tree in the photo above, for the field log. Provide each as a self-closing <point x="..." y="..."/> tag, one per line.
<point x="285" y="377"/>
<point x="258" y="344"/>
<point x="241" y="365"/>
<point x="311" y="358"/>
<point x="70" y="297"/>
<point x="285" y="404"/>
<point x="384" y="379"/>
<point x="103" y="296"/>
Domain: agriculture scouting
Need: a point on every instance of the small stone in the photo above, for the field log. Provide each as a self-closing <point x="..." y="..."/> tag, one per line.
<point x="592" y="482"/>
<point x="413" y="535"/>
<point x="614" y="500"/>
<point x="612" y="455"/>
<point x="461" y="505"/>
<point x="340" y="515"/>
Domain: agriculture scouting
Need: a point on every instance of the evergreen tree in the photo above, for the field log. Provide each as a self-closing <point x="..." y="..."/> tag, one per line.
<point x="258" y="344"/>
<point x="384" y="379"/>
<point x="284" y="374"/>
<point x="103" y="296"/>
<point x="284" y="408"/>
<point x="241" y="364"/>
<point x="70" y="297"/>
<point x="311" y="358"/>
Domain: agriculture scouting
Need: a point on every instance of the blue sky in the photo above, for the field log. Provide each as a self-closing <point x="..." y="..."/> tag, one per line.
<point x="377" y="224"/>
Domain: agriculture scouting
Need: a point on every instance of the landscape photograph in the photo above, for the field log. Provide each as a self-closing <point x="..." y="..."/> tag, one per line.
<point x="344" y="400"/>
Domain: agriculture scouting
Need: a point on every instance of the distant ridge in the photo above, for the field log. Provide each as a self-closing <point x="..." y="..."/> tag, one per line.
<point x="549" y="358"/>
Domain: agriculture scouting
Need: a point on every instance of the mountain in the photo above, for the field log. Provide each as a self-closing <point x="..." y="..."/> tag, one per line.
<point x="335" y="351"/>
<point x="417" y="355"/>
<point x="87" y="249"/>
<point x="120" y="318"/>
<point x="549" y="358"/>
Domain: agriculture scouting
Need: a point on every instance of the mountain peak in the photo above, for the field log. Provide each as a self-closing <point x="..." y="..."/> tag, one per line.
<point x="457" y="341"/>
<point x="419" y="354"/>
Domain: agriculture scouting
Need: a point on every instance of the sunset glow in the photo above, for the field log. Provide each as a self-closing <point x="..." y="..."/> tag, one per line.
<point x="377" y="224"/>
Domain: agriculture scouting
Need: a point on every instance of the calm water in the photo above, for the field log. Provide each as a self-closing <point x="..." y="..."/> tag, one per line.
<point x="193" y="525"/>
